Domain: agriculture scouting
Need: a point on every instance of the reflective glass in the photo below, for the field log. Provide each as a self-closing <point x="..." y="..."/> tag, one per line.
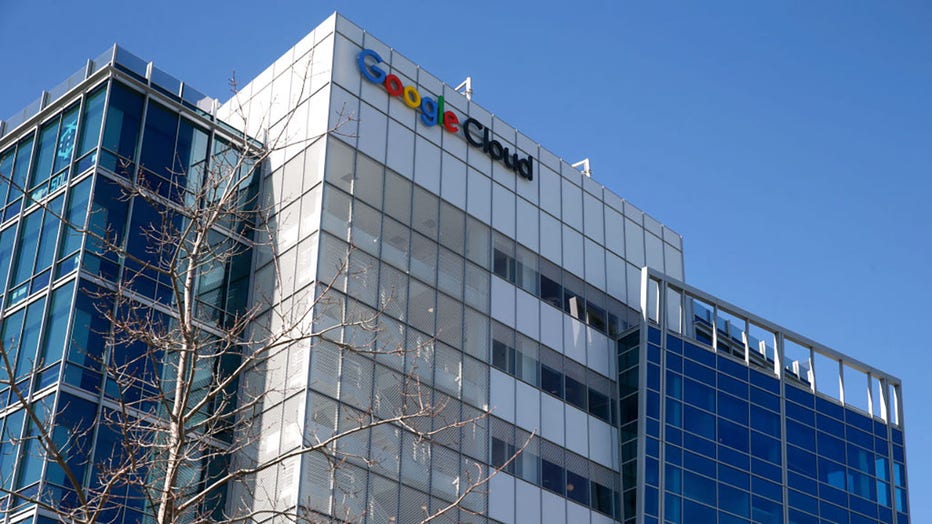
<point x="48" y="240"/>
<point x="90" y="121"/>
<point x="45" y="153"/>
<point x="30" y="338"/>
<point x="20" y="169"/>
<point x="66" y="137"/>
<point x="124" y="115"/>
<point x="7" y="239"/>
<point x="28" y="243"/>
<point x="53" y="343"/>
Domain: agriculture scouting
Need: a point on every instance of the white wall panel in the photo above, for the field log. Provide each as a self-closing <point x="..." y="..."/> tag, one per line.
<point x="551" y="418"/>
<point x="502" y="395"/>
<point x="502" y="497"/>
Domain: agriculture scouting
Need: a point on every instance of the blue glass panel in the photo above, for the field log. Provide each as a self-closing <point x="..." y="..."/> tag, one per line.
<point x="699" y="354"/>
<point x="737" y="370"/>
<point x="732" y="408"/>
<point x="898" y="453"/>
<point x="674" y="344"/>
<point x="733" y="435"/>
<point x="766" y="382"/>
<point x="766" y="488"/>
<point x="699" y="488"/>
<point x="45" y="153"/>
<point x="651" y="502"/>
<point x="653" y="404"/>
<point x="804" y="502"/>
<point x="765" y="399"/>
<point x="804" y="484"/>
<point x="860" y="459"/>
<point x="674" y="362"/>
<point x="28" y="243"/>
<point x="552" y="476"/>
<point x="694" y="512"/>
<point x="9" y="446"/>
<point x="698" y="372"/>
<point x="124" y="116"/>
<point x="158" y="143"/>
<point x="673" y="478"/>
<point x="765" y="421"/>
<point x="674" y="455"/>
<point x="899" y="474"/>
<point x="90" y="121"/>
<point x="897" y="436"/>
<point x="734" y="476"/>
<point x="699" y="422"/>
<point x="883" y="493"/>
<point x="698" y="464"/>
<point x="734" y="501"/>
<point x="45" y="253"/>
<point x="700" y="445"/>
<point x="674" y="384"/>
<point x="65" y="148"/>
<point x="830" y="447"/>
<point x="829" y="424"/>
<point x="865" y="489"/>
<point x="652" y="428"/>
<point x="53" y="342"/>
<point x="765" y="448"/>
<point x="652" y="447"/>
<point x="733" y="386"/>
<point x="7" y="240"/>
<point x="800" y="461"/>
<point x="724" y="518"/>
<point x="29" y="341"/>
<point x="12" y="326"/>
<point x="735" y="458"/>
<point x="797" y="412"/>
<point x="651" y="471"/>
<point x="672" y="508"/>
<point x="832" y="473"/>
<point x="674" y="412"/>
<point x="764" y="511"/>
<point x="653" y="377"/>
<point x="698" y="394"/>
<point x="6" y="171"/>
<point x="653" y="353"/>
<point x="858" y="420"/>
<point x="804" y="397"/>
<point x="830" y="408"/>
<point x="674" y="435"/>
<point x="77" y="215"/>
<point x="653" y="336"/>
<point x="89" y="328"/>
<point x="861" y="438"/>
<point x="20" y="169"/>
<point x="800" y="434"/>
<point x="832" y="513"/>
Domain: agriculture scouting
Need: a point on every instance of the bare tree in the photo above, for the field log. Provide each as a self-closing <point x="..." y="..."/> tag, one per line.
<point x="187" y="373"/>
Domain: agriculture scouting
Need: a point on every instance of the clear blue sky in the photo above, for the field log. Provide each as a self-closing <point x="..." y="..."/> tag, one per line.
<point x="790" y="143"/>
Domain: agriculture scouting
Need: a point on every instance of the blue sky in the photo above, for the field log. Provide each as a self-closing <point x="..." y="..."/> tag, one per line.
<point x="790" y="143"/>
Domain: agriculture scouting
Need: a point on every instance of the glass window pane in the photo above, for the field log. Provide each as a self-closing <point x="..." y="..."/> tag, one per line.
<point x="69" y="127"/>
<point x="28" y="242"/>
<point x="123" y="120"/>
<point x="7" y="238"/>
<point x="6" y="171"/>
<point x="20" y="168"/>
<point x="45" y="153"/>
<point x="158" y="141"/>
<point x="53" y="343"/>
<point x="49" y="236"/>
<point x="90" y="125"/>
<point x="30" y="338"/>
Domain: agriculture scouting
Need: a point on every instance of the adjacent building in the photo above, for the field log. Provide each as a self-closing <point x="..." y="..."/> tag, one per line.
<point x="517" y="285"/>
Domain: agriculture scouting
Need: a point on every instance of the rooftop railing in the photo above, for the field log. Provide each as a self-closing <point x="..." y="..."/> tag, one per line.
<point x="129" y="63"/>
<point x="766" y="346"/>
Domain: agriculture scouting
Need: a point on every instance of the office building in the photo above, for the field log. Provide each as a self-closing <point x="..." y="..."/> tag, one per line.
<point x="514" y="282"/>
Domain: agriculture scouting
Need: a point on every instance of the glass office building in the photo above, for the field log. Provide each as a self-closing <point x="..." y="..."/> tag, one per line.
<point x="518" y="285"/>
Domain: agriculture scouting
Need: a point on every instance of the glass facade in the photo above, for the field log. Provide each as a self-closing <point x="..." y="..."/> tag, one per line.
<point x="545" y="316"/>
<point x="730" y="435"/>
<point x="74" y="246"/>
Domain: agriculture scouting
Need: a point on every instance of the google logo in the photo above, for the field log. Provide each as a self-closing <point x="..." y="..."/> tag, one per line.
<point x="433" y="113"/>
